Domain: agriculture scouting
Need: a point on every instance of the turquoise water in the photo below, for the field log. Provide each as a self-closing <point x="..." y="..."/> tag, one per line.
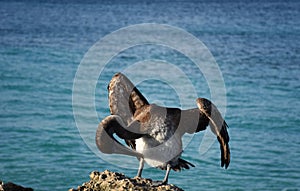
<point x="256" y="46"/>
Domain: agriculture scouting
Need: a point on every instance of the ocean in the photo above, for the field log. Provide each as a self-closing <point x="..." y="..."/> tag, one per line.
<point x="255" y="46"/>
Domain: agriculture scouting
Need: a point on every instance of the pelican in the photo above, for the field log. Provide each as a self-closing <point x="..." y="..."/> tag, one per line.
<point x="154" y="133"/>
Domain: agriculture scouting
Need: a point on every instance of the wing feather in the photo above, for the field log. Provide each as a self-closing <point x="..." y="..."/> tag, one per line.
<point x="124" y="98"/>
<point x="218" y="127"/>
<point x="195" y="120"/>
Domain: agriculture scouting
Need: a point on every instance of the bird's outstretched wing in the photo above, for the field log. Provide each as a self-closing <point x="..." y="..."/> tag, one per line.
<point x="124" y="98"/>
<point x="195" y="120"/>
<point x="105" y="140"/>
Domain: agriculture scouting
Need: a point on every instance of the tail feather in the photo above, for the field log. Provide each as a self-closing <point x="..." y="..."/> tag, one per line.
<point x="182" y="164"/>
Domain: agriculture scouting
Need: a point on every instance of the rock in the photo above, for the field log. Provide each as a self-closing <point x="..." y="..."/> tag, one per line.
<point x="107" y="180"/>
<point x="9" y="186"/>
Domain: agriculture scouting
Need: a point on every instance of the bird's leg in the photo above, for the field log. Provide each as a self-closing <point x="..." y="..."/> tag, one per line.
<point x="141" y="166"/>
<point x="165" y="180"/>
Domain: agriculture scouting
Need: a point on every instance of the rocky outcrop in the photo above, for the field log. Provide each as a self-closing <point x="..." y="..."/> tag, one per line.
<point x="9" y="186"/>
<point x="107" y="180"/>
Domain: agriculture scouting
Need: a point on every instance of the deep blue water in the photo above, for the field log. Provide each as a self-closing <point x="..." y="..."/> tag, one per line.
<point x="256" y="46"/>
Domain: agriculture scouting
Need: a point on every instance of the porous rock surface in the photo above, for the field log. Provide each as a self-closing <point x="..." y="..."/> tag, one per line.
<point x="107" y="180"/>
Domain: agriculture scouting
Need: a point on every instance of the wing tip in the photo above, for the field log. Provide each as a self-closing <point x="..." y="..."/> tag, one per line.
<point x="225" y="158"/>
